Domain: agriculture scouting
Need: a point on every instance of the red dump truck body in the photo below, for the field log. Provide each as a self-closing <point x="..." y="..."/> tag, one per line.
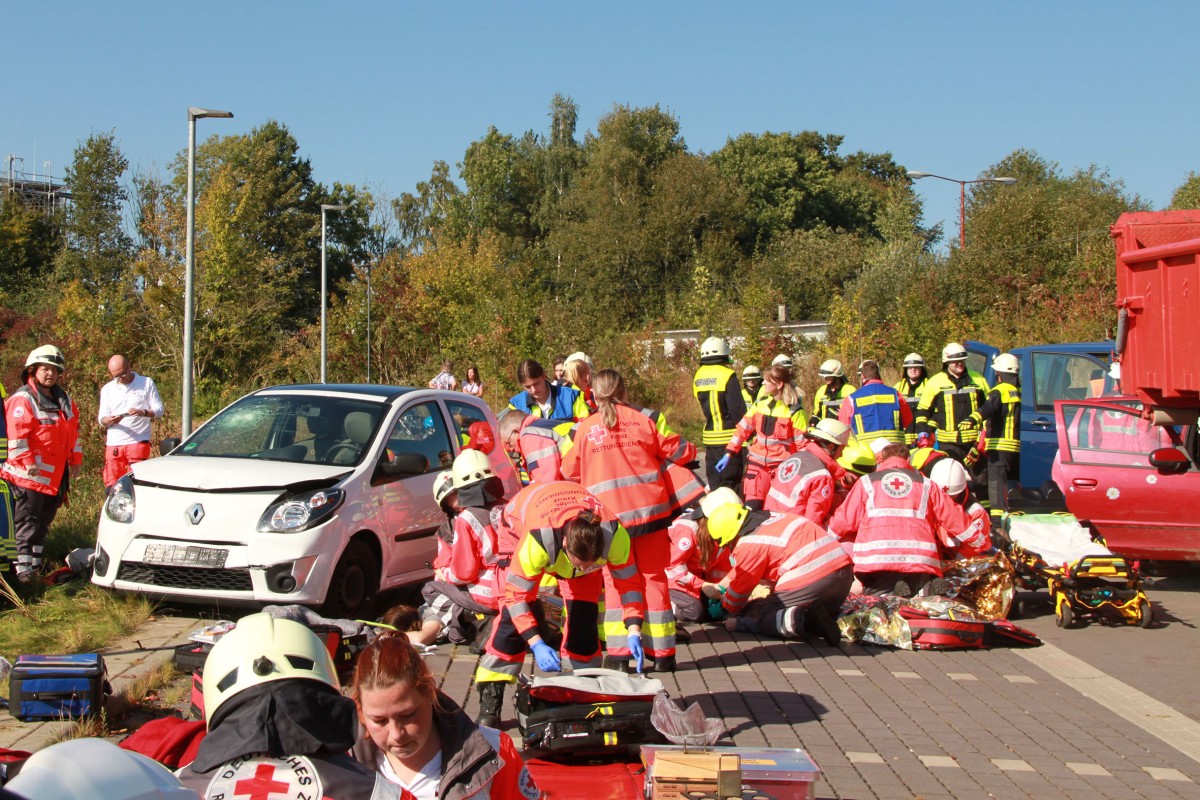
<point x="1158" y="297"/>
<point x="1130" y="465"/>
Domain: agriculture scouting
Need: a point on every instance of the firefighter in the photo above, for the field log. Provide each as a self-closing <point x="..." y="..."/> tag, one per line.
<point x="895" y="517"/>
<point x="467" y="582"/>
<point x="751" y="383"/>
<point x="567" y="533"/>
<point x="697" y="562"/>
<point x="806" y="483"/>
<point x="875" y="410"/>
<point x="950" y="398"/>
<point x="976" y="539"/>
<point x="44" y="454"/>
<point x="776" y="423"/>
<point x="1000" y="418"/>
<point x="827" y="402"/>
<point x="716" y="389"/>
<point x="910" y="386"/>
<point x="808" y="572"/>
<point x="277" y="718"/>
<point x="622" y="458"/>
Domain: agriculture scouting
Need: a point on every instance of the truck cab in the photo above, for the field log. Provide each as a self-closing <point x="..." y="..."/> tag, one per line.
<point x="1049" y="372"/>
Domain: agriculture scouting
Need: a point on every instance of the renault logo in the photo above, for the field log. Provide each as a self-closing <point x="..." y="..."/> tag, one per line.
<point x="196" y="513"/>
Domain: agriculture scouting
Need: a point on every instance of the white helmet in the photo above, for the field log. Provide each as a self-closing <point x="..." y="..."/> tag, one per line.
<point x="46" y="354"/>
<point x="1007" y="363"/>
<point x="259" y="650"/>
<point x="830" y="430"/>
<point x="914" y="360"/>
<point x="717" y="498"/>
<point x="443" y="484"/>
<point x="752" y="373"/>
<point x="954" y="352"/>
<point x="831" y="368"/>
<point x="86" y="769"/>
<point x="950" y="475"/>
<point x="579" y="355"/>
<point x="782" y="360"/>
<point x="1114" y="370"/>
<point x="471" y="466"/>
<point x="714" y="347"/>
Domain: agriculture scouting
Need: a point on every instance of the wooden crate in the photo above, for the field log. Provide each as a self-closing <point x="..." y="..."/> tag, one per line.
<point x="677" y="774"/>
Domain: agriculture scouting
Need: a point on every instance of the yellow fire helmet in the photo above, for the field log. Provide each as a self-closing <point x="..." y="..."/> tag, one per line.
<point x="857" y="458"/>
<point x="726" y="522"/>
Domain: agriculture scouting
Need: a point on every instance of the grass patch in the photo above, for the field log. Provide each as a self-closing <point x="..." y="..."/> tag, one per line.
<point x="153" y="695"/>
<point x="71" y="618"/>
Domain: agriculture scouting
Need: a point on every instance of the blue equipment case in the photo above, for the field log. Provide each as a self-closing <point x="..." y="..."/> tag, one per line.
<point x="57" y="687"/>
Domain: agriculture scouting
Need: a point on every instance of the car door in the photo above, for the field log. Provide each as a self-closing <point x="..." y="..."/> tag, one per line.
<point x="1105" y="472"/>
<point x="411" y="516"/>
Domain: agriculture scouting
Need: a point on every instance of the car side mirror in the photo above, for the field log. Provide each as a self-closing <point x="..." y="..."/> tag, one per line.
<point x="168" y="444"/>
<point x="1170" y="460"/>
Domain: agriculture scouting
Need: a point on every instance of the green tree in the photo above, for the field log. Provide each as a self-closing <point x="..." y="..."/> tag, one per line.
<point x="98" y="250"/>
<point x="1188" y="194"/>
<point x="29" y="242"/>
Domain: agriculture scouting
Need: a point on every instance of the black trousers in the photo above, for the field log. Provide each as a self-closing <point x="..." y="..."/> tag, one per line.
<point x="33" y="513"/>
<point x="1001" y="466"/>
<point x="732" y="476"/>
<point x="781" y="614"/>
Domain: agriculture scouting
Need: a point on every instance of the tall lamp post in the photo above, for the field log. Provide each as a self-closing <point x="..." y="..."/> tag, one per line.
<point x="189" y="280"/>
<point x="369" y="265"/>
<point x="325" y="208"/>
<point x="962" y="198"/>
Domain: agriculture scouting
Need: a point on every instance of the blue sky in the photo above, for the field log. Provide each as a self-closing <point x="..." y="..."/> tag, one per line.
<point x="375" y="92"/>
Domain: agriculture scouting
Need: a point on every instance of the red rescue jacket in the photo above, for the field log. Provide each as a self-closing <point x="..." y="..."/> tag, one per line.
<point x="684" y="571"/>
<point x="43" y="439"/>
<point x="806" y="484"/>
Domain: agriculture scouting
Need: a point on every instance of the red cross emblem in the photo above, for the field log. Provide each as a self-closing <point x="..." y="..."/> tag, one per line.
<point x="261" y="786"/>
<point x="597" y="434"/>
<point x="897" y="485"/>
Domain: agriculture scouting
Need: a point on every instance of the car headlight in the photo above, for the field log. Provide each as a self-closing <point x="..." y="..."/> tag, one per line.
<point x="299" y="512"/>
<point x="120" y="504"/>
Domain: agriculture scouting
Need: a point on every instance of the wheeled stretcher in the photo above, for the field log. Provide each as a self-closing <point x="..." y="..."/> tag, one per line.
<point x="1086" y="580"/>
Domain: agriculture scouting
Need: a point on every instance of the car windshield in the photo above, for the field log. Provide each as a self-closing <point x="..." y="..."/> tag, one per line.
<point x="290" y="427"/>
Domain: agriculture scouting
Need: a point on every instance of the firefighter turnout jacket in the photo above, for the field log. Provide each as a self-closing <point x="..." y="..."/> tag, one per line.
<point x="1000" y="416"/>
<point x="784" y="550"/>
<point x="910" y="393"/>
<point x="43" y="439"/>
<point x="827" y="404"/>
<point x="896" y="518"/>
<point x="721" y="399"/>
<point x="948" y="401"/>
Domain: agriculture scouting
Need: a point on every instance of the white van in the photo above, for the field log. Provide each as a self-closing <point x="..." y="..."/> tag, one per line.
<point x="313" y="494"/>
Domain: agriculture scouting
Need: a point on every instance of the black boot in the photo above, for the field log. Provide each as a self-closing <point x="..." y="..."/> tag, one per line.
<point x="664" y="664"/>
<point x="491" y="698"/>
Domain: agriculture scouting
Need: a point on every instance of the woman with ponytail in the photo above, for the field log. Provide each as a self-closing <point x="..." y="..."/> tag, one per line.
<point x="621" y="455"/>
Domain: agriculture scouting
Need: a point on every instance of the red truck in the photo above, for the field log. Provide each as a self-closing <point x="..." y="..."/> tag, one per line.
<point x="1129" y="464"/>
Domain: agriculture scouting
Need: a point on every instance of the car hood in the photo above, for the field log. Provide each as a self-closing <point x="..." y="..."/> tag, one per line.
<point x="223" y="474"/>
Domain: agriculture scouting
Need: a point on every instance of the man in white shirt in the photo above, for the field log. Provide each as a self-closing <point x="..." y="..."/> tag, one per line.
<point x="128" y="405"/>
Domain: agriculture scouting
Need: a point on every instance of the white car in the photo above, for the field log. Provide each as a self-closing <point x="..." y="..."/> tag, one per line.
<point x="313" y="494"/>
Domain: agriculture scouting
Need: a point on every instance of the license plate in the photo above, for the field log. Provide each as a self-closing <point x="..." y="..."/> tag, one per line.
<point x="185" y="555"/>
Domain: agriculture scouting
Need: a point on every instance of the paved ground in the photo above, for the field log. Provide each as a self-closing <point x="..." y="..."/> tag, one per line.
<point x="1096" y="712"/>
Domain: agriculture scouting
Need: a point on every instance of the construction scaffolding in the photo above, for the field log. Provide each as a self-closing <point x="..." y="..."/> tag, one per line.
<point x="34" y="190"/>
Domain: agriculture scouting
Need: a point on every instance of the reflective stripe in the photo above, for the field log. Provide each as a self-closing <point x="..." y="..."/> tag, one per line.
<point x="622" y="482"/>
<point x="894" y="544"/>
<point x="815" y="565"/>
<point x="896" y="558"/>
<point x="521" y="583"/>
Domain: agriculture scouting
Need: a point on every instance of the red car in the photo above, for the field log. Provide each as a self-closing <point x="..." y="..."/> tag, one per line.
<point x="1136" y="484"/>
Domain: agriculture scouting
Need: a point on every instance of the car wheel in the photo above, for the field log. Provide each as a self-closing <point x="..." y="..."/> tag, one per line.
<point x="354" y="584"/>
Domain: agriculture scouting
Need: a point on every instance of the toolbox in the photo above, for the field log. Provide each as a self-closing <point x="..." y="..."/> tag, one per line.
<point x="45" y="687"/>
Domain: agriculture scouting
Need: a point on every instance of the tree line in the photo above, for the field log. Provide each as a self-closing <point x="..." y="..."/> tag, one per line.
<point x="540" y="243"/>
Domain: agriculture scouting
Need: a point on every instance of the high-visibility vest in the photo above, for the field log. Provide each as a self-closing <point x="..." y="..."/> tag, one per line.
<point x="826" y="405"/>
<point x="877" y="413"/>
<point x="1004" y="421"/>
<point x="777" y="430"/>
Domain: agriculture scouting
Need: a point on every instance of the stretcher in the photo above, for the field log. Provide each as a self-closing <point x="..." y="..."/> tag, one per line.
<point x="1085" y="579"/>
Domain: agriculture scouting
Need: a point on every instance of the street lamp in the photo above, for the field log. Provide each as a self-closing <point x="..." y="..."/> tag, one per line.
<point x="189" y="280"/>
<point x="962" y="198"/>
<point x="325" y="207"/>
<point x="369" y="322"/>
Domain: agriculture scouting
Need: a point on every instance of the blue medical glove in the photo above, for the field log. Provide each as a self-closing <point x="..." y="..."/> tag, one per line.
<point x="723" y="463"/>
<point x="635" y="650"/>
<point x="547" y="660"/>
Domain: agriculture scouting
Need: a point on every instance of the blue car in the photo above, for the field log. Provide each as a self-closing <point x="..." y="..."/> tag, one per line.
<point x="1049" y="372"/>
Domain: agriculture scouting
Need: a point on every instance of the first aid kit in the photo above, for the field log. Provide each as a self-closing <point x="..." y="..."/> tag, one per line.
<point x="51" y="687"/>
